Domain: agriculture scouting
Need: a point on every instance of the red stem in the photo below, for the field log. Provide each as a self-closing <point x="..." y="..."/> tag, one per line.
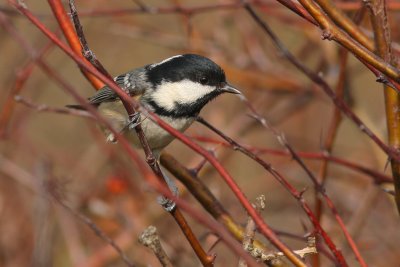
<point x="69" y="32"/>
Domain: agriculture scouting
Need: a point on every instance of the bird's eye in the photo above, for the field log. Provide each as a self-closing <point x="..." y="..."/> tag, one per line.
<point x="203" y="80"/>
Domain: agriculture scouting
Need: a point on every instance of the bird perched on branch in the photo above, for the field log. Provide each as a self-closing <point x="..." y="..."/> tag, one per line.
<point x="175" y="89"/>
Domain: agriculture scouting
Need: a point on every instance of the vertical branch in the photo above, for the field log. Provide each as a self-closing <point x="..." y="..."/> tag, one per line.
<point x="381" y="29"/>
<point x="336" y="118"/>
<point x="22" y="77"/>
<point x="250" y="230"/>
<point x="329" y="141"/>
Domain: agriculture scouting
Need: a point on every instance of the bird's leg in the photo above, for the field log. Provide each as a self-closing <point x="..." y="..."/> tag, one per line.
<point x="168" y="204"/>
<point x="134" y="120"/>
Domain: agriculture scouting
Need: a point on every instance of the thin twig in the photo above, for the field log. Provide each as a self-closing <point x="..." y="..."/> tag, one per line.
<point x="22" y="77"/>
<point x="311" y="249"/>
<point x="55" y="191"/>
<point x="149" y="238"/>
<point x="250" y="230"/>
<point x="377" y="177"/>
<point x="345" y="23"/>
<point x="97" y="230"/>
<point x="337" y="114"/>
<point x="45" y="108"/>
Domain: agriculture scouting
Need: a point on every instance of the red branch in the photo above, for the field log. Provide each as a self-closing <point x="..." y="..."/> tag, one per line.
<point x="70" y="34"/>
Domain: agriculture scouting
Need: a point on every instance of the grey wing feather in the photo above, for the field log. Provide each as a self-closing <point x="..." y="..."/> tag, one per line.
<point x="130" y="82"/>
<point x="105" y="94"/>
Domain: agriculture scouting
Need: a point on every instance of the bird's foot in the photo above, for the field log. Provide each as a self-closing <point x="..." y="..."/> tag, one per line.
<point x="168" y="204"/>
<point x="134" y="120"/>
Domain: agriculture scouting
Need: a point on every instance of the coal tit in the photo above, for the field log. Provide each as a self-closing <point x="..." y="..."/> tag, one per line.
<point x="176" y="89"/>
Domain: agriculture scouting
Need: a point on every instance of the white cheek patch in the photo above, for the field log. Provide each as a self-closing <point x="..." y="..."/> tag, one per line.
<point x="183" y="92"/>
<point x="164" y="61"/>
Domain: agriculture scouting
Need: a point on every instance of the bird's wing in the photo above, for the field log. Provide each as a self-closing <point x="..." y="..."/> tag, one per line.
<point x="105" y="94"/>
<point x="128" y="82"/>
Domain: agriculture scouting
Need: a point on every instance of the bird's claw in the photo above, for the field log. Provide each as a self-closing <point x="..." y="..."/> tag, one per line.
<point x="134" y="120"/>
<point x="168" y="204"/>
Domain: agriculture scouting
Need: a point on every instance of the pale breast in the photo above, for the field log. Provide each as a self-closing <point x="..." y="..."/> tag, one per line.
<point x="157" y="137"/>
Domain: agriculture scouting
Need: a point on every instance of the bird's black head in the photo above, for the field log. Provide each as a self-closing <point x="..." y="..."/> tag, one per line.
<point x="191" y="67"/>
<point x="183" y="84"/>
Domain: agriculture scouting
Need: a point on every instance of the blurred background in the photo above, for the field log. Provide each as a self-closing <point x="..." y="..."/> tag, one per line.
<point x="97" y="180"/>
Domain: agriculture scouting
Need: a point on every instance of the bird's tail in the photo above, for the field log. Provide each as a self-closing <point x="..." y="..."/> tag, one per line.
<point x="79" y="107"/>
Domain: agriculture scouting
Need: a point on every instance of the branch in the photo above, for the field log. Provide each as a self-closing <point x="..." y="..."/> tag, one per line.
<point x="86" y="51"/>
<point x="343" y="21"/>
<point x="377" y="177"/>
<point x="22" y="77"/>
<point x="150" y="239"/>
<point x="45" y="108"/>
<point x="381" y="29"/>
<point x="66" y="26"/>
<point x="250" y="230"/>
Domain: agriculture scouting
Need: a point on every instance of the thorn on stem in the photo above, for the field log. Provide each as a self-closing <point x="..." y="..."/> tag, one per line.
<point x="381" y="79"/>
<point x="327" y="35"/>
<point x="301" y="193"/>
<point x="202" y="163"/>
<point x="22" y="4"/>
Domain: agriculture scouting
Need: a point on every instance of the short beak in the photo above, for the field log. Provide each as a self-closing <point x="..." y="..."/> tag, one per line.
<point x="227" y="88"/>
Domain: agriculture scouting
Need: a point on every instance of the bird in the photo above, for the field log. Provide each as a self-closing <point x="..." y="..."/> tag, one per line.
<point x="175" y="89"/>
